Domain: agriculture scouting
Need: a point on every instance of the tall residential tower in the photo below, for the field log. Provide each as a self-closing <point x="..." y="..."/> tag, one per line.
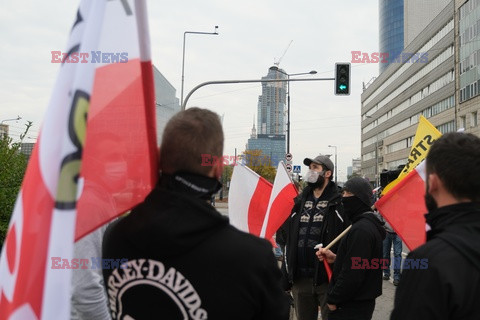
<point x="271" y="119"/>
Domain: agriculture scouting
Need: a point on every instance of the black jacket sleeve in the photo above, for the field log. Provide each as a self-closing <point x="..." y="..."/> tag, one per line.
<point x="349" y="280"/>
<point x="274" y="302"/>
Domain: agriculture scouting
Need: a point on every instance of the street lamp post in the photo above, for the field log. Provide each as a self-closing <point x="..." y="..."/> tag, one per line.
<point x="336" y="168"/>
<point x="15" y="119"/>
<point x="203" y="84"/>
<point x="288" y="100"/>
<point x="183" y="59"/>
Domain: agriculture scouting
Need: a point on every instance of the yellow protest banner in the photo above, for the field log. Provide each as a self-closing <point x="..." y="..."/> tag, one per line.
<point x="424" y="137"/>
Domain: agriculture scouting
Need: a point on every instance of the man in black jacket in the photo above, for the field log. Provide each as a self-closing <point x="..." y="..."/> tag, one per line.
<point x="179" y="257"/>
<point x="448" y="288"/>
<point x="317" y="217"/>
<point x="357" y="273"/>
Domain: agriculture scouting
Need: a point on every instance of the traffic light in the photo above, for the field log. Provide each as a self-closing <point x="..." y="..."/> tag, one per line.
<point x="342" y="79"/>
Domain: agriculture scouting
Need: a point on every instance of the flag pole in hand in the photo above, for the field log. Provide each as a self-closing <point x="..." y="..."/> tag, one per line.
<point x="319" y="246"/>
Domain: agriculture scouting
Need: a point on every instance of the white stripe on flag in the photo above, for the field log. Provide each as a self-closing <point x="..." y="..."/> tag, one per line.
<point x="56" y="294"/>
<point x="242" y="187"/>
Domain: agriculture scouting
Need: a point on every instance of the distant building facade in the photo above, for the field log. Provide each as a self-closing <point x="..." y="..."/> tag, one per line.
<point x="418" y="14"/>
<point x="356" y="167"/>
<point x="269" y="136"/>
<point x="166" y="102"/>
<point x="3" y="130"/>
<point x="27" y="148"/>
<point x="392" y="104"/>
<point x="468" y="68"/>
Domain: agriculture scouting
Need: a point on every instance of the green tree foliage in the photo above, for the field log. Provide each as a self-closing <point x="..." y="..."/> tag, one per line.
<point x="227" y="173"/>
<point x="12" y="168"/>
<point x="260" y="163"/>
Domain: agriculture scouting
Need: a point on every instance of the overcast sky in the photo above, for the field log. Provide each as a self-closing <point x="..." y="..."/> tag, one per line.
<point x="253" y="35"/>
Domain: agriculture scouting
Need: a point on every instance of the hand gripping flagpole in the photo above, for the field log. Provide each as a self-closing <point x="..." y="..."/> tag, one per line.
<point x="319" y="246"/>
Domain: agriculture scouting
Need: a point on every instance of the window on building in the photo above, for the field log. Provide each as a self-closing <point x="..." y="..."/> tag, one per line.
<point x="463" y="121"/>
<point x="474" y="120"/>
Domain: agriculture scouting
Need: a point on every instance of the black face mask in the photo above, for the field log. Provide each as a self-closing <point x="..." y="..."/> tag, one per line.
<point x="430" y="202"/>
<point x="353" y="206"/>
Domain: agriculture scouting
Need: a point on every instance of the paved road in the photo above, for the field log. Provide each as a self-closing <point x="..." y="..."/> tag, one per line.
<point x="384" y="303"/>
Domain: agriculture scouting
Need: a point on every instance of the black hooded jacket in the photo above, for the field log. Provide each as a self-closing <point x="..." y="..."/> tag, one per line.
<point x="287" y="236"/>
<point x="357" y="273"/>
<point x="185" y="261"/>
<point x="449" y="288"/>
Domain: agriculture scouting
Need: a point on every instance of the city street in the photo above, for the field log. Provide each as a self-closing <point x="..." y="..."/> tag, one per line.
<point x="384" y="303"/>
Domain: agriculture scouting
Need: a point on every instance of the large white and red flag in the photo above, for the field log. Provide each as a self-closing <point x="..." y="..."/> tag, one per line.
<point x="281" y="202"/>
<point x="95" y="157"/>
<point x="248" y="199"/>
<point x="403" y="207"/>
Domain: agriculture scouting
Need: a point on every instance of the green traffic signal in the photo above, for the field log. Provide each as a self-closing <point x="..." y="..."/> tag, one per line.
<point x="342" y="78"/>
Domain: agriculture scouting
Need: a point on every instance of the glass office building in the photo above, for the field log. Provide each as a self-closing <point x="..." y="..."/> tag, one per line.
<point x="271" y="117"/>
<point x="272" y="103"/>
<point x="469" y="29"/>
<point x="272" y="146"/>
<point x="393" y="103"/>
<point x="391" y="29"/>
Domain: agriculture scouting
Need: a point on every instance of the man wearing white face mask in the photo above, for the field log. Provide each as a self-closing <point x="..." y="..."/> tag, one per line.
<point x="317" y="217"/>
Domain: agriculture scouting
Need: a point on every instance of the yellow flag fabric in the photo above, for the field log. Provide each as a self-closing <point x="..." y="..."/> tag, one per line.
<point x="424" y="137"/>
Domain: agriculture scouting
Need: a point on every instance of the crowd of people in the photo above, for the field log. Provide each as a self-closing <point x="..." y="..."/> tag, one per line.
<point x="185" y="261"/>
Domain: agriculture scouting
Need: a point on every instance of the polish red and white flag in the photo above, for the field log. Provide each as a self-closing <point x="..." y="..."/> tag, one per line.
<point x="281" y="202"/>
<point x="403" y="207"/>
<point x="248" y="199"/>
<point x="95" y="157"/>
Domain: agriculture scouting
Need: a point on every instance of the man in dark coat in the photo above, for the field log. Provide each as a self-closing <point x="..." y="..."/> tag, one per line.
<point x="179" y="257"/>
<point x="448" y="288"/>
<point x="317" y="217"/>
<point x="357" y="272"/>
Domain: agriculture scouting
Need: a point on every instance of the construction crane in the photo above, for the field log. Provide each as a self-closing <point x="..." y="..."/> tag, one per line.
<point x="277" y="63"/>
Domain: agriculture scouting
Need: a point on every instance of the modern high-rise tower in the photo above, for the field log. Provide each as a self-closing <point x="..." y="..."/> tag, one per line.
<point x="271" y="118"/>
<point x="272" y="104"/>
<point x="391" y="29"/>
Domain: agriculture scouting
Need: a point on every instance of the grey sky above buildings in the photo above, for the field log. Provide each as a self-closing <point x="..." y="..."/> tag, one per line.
<point x="252" y="35"/>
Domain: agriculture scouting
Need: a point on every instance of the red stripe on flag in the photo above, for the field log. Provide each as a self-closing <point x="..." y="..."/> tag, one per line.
<point x="327" y="269"/>
<point x="404" y="207"/>
<point x="258" y="206"/>
<point x="119" y="157"/>
<point x="37" y="215"/>
<point x="280" y="210"/>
